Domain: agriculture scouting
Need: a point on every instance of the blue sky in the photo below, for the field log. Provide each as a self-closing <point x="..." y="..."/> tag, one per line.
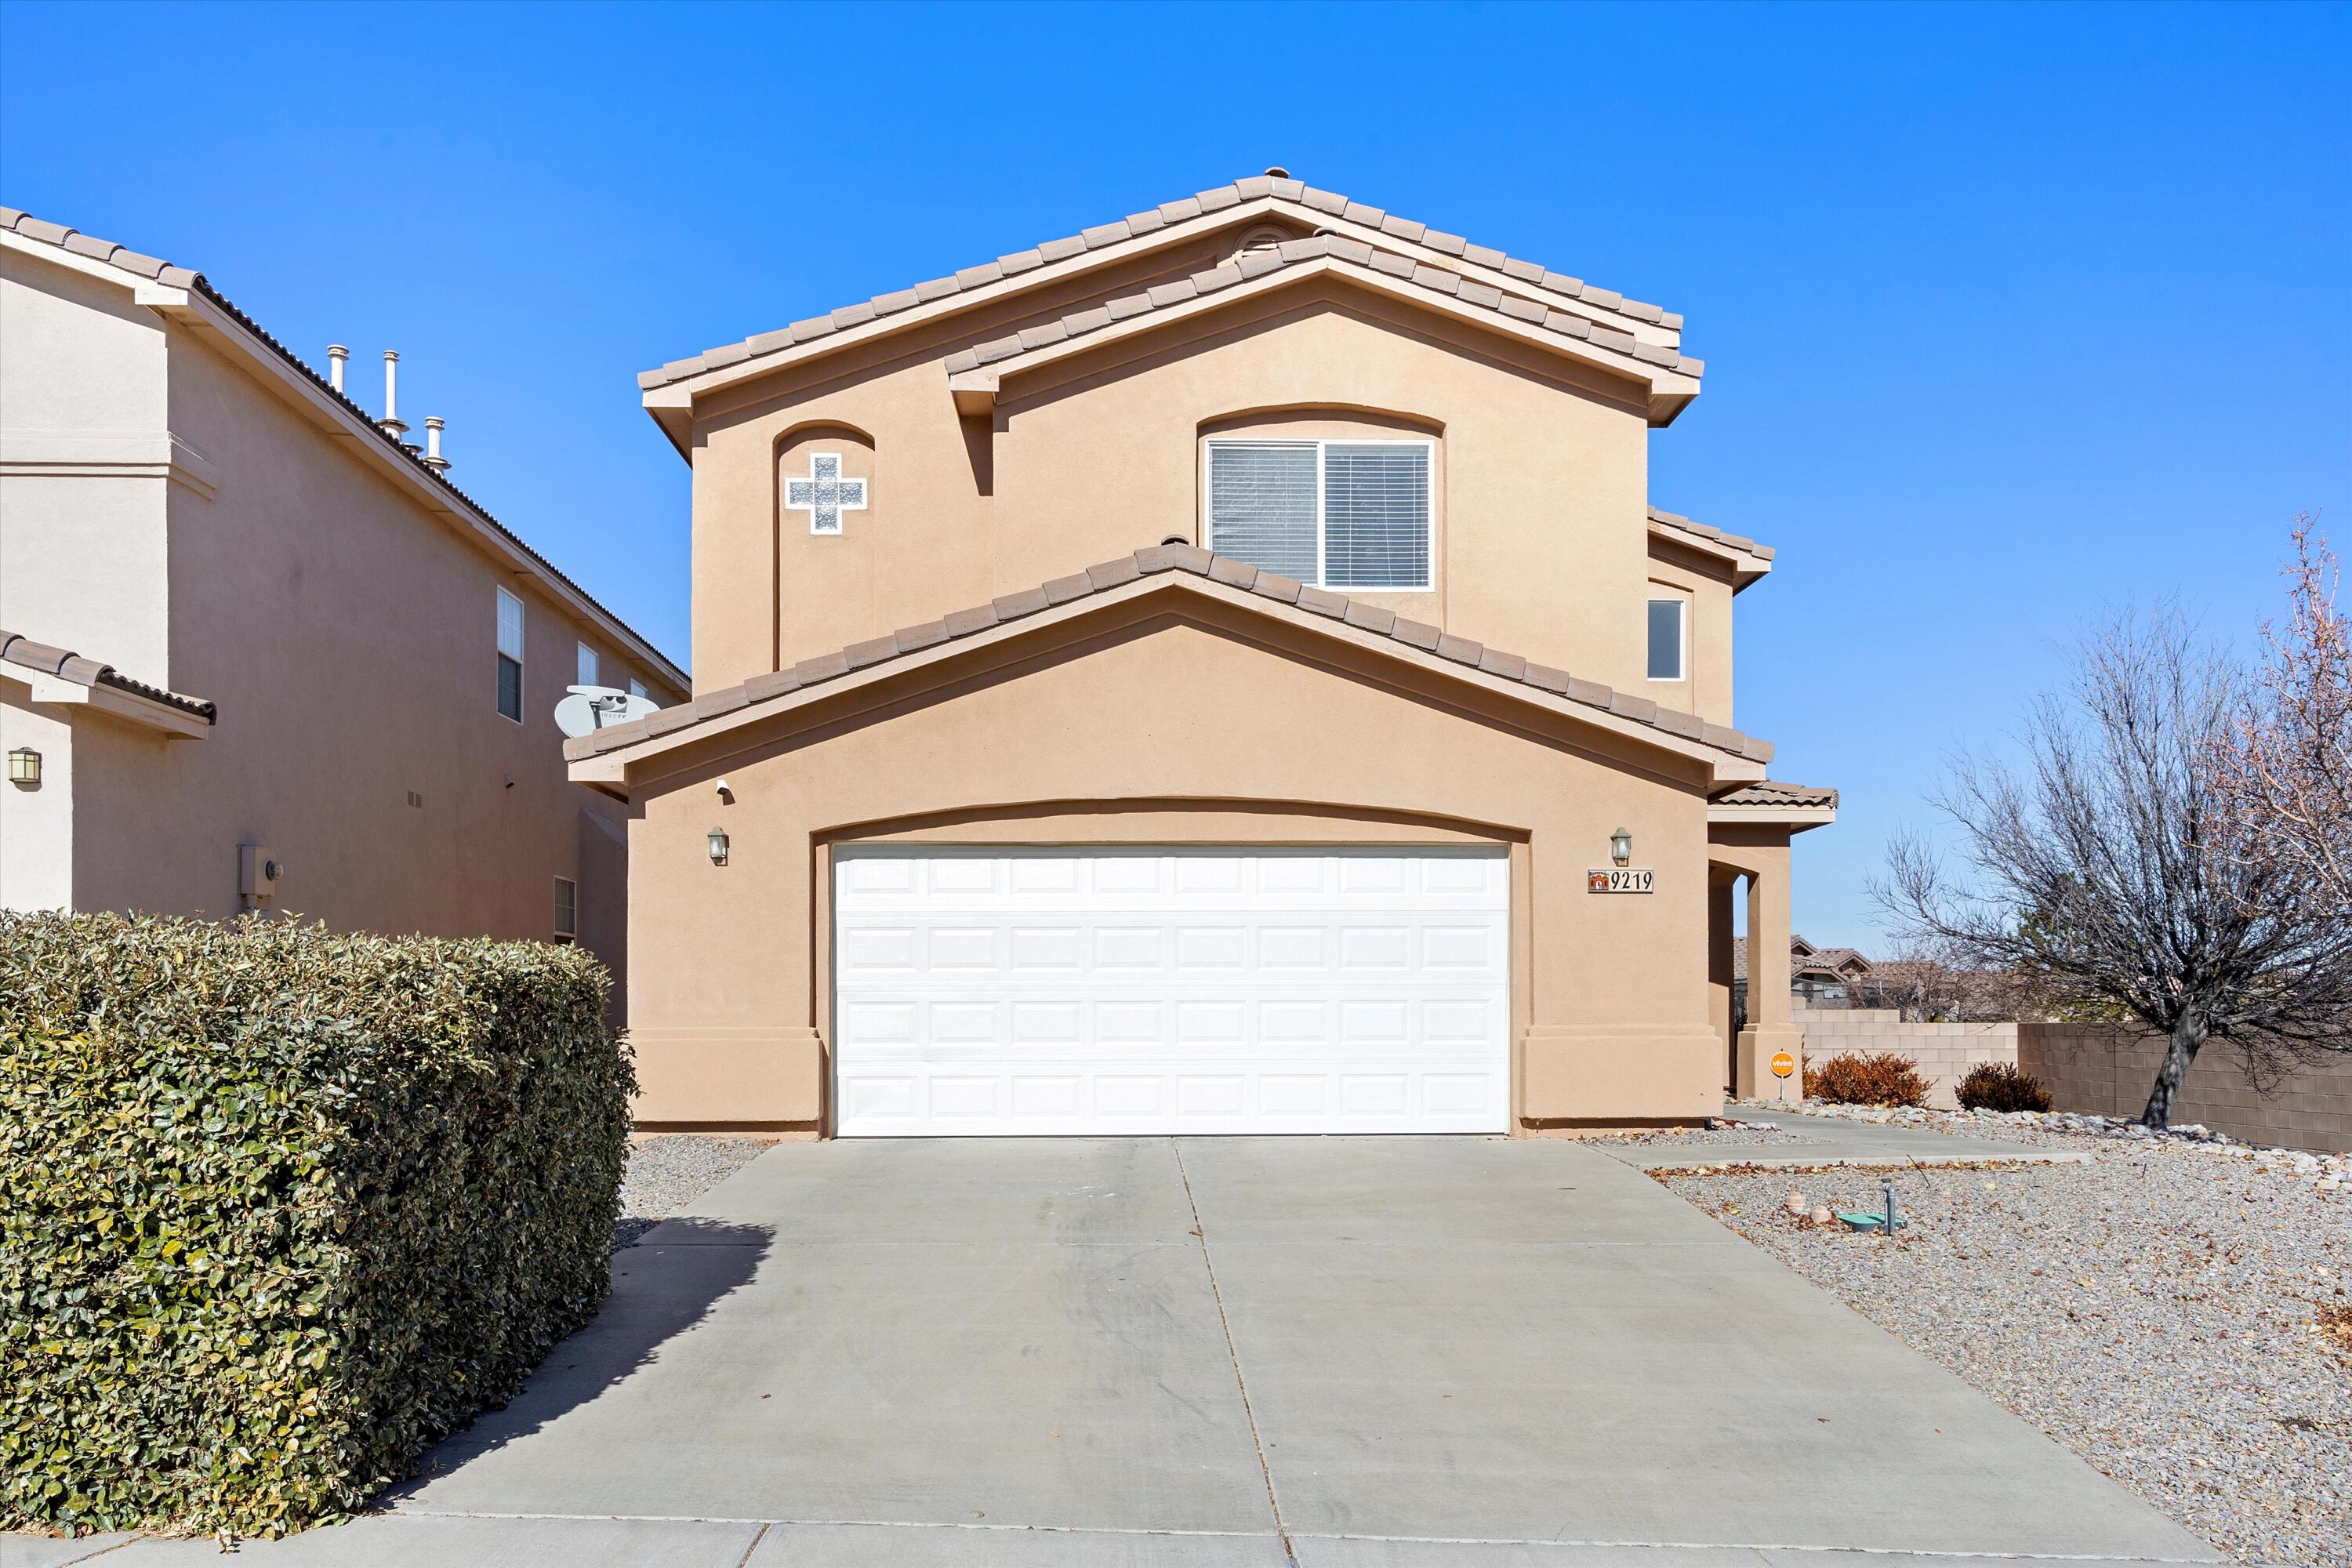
<point x="2010" y="315"/>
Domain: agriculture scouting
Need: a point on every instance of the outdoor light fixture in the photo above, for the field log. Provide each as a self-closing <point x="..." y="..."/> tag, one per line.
<point x="719" y="846"/>
<point x="25" y="766"/>
<point x="1621" y="847"/>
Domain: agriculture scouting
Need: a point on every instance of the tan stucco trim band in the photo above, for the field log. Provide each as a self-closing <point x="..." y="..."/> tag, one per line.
<point x="604" y="756"/>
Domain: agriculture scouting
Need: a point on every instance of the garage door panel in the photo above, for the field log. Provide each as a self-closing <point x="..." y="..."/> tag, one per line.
<point x="988" y="992"/>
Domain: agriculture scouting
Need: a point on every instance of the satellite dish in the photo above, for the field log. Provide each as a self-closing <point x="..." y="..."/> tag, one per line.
<point x="592" y="708"/>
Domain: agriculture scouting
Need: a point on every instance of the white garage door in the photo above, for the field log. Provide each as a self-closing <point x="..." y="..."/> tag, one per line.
<point x="1163" y="990"/>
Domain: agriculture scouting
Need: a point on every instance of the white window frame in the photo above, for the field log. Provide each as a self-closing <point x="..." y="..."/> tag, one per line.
<point x="1429" y="515"/>
<point x="636" y="687"/>
<point x="1682" y="640"/>
<point x="589" y="666"/>
<point x="564" y="938"/>
<point x="522" y="641"/>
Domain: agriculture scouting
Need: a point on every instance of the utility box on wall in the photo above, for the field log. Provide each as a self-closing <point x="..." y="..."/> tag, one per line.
<point x="256" y="874"/>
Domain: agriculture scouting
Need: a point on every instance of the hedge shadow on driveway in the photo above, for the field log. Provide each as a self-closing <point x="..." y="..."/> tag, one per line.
<point x="663" y="1287"/>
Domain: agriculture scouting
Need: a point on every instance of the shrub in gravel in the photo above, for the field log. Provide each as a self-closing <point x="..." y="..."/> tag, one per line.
<point x="281" y="1208"/>
<point x="2001" y="1085"/>
<point x="1883" y="1078"/>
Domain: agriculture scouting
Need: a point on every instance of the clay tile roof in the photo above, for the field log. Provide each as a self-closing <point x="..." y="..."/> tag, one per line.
<point x="1256" y="188"/>
<point x="1198" y="562"/>
<point x="66" y="665"/>
<point x="1298" y="252"/>
<point x="27" y="226"/>
<point x="1772" y="792"/>
<point x="1682" y="524"/>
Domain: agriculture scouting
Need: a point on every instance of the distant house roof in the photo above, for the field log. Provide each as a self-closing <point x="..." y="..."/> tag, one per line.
<point x="151" y="269"/>
<point x="66" y="665"/>
<point x="1804" y="958"/>
<point x="1198" y="562"/>
<point x="1307" y="203"/>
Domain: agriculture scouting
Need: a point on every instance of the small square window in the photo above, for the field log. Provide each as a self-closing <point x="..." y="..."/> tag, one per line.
<point x="1668" y="639"/>
<point x="636" y="687"/>
<point x="567" y="912"/>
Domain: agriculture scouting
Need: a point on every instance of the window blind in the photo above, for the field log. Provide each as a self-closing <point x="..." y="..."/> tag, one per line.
<point x="1262" y="505"/>
<point x="1375" y="515"/>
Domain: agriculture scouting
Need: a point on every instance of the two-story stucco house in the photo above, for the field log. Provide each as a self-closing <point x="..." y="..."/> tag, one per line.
<point x="245" y="628"/>
<point x="1218" y="672"/>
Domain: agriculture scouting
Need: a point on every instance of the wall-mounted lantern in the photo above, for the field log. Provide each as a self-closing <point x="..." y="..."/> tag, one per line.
<point x="1621" y="847"/>
<point x="25" y="767"/>
<point x="719" y="846"/>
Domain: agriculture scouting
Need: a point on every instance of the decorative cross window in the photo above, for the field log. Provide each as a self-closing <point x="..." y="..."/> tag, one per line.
<point x="824" y="495"/>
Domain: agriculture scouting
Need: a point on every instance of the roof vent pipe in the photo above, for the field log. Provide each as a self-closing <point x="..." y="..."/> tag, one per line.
<point x="389" y="424"/>
<point x="336" y="355"/>
<point x="433" y="460"/>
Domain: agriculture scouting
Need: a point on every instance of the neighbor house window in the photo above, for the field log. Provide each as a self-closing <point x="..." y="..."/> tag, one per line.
<point x="1337" y="514"/>
<point x="587" y="665"/>
<point x="567" y="912"/>
<point x="510" y="655"/>
<point x="1669" y="638"/>
<point x="636" y="687"/>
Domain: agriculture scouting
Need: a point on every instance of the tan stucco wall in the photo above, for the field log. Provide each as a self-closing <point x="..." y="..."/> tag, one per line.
<point x="1154" y="724"/>
<point x="347" y="636"/>
<point x="1540" y="542"/>
<point x="84" y="467"/>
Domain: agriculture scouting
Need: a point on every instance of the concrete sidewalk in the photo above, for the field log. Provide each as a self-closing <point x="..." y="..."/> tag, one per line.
<point x="1835" y="1141"/>
<point x="1405" y="1352"/>
<point x="406" y="1541"/>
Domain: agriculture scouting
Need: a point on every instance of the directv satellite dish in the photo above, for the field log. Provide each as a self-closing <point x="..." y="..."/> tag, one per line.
<point x="592" y="708"/>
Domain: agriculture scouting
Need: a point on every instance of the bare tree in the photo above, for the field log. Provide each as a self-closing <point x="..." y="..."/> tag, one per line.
<point x="2116" y="872"/>
<point x="1931" y="983"/>
<point x="2291" y="758"/>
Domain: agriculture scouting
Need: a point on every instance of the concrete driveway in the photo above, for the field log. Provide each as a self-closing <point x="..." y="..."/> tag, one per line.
<point x="1401" y="1352"/>
<point x="1393" y="1340"/>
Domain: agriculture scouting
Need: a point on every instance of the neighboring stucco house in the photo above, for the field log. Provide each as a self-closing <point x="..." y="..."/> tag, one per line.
<point x="1103" y="720"/>
<point x="247" y="627"/>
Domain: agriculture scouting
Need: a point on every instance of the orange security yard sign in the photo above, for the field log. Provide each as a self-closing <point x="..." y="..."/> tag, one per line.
<point x="1783" y="1064"/>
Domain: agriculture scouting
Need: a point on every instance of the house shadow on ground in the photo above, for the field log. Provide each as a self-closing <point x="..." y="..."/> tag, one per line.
<point x="666" y="1282"/>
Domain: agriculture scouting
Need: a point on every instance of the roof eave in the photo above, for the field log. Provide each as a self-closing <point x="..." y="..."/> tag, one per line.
<point x="1668" y="392"/>
<point x="1795" y="819"/>
<point x="742" y="362"/>
<point x="611" y="769"/>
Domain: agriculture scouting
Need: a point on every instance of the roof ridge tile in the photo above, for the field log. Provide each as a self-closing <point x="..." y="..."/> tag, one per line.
<point x="1294" y="252"/>
<point x="1184" y="209"/>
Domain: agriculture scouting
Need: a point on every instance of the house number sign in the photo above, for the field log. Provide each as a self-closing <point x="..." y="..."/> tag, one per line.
<point x="1621" y="881"/>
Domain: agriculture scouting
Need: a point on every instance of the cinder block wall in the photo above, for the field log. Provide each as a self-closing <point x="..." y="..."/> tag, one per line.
<point x="2103" y="1068"/>
<point x="1944" y="1053"/>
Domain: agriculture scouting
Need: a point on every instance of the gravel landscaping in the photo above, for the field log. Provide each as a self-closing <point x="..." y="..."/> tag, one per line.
<point x="2174" y="1310"/>
<point x="666" y="1174"/>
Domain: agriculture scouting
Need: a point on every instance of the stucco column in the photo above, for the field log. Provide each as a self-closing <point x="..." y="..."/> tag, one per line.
<point x="1770" y="1026"/>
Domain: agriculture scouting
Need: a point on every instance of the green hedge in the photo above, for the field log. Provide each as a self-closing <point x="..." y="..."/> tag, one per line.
<point x="279" y="1208"/>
